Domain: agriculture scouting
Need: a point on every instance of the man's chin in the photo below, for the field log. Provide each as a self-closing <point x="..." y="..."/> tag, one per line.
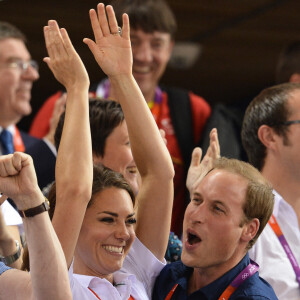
<point x="27" y="111"/>
<point x="23" y="105"/>
<point x="24" y="111"/>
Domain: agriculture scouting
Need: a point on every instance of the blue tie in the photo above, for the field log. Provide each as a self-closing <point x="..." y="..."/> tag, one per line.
<point x="6" y="140"/>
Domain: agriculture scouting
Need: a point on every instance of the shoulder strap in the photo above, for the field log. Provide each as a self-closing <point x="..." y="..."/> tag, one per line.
<point x="182" y="120"/>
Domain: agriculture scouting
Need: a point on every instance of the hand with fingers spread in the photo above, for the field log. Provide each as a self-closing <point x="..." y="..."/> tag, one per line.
<point x="18" y="180"/>
<point x="63" y="59"/>
<point x="112" y="51"/>
<point x="198" y="169"/>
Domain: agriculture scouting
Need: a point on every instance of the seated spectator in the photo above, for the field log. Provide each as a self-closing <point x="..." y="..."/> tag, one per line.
<point x="110" y="140"/>
<point x="229" y="208"/>
<point x="18" y="181"/>
<point x="271" y="138"/>
<point x="17" y="74"/>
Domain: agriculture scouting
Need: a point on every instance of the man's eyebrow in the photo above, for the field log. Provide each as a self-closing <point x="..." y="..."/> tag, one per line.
<point x="197" y="194"/>
<point x="15" y="58"/>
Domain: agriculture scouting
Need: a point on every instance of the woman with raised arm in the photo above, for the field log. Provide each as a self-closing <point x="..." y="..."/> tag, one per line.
<point x="106" y="231"/>
<point x="112" y="51"/>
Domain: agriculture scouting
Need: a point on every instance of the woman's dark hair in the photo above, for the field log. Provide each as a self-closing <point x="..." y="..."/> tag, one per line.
<point x="102" y="178"/>
<point x="105" y="116"/>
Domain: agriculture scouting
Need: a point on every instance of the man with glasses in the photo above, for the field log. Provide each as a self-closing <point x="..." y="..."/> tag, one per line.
<point x="17" y="74"/>
<point x="271" y="137"/>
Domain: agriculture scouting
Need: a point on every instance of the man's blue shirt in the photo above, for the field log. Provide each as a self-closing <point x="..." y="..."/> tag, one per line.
<point x="3" y="268"/>
<point x="253" y="288"/>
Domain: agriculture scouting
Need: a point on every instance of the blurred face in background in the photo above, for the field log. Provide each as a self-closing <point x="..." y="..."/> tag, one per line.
<point x="15" y="81"/>
<point x="151" y="53"/>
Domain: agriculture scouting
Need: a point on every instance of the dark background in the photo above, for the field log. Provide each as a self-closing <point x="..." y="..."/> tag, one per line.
<point x="240" y="39"/>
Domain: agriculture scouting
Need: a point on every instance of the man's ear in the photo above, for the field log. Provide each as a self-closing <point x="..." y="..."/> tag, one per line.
<point x="295" y="78"/>
<point x="250" y="230"/>
<point x="171" y="47"/>
<point x="266" y="135"/>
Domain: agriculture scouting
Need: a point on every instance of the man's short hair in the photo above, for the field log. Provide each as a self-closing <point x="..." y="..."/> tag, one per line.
<point x="8" y="30"/>
<point x="288" y="62"/>
<point x="105" y="116"/>
<point x="259" y="200"/>
<point x="147" y="15"/>
<point x="268" y="108"/>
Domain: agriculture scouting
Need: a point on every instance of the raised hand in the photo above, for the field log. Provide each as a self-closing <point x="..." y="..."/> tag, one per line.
<point x="198" y="169"/>
<point x="111" y="50"/>
<point x="63" y="59"/>
<point x="18" y="180"/>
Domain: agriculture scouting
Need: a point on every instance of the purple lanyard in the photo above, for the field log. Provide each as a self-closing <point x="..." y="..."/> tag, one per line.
<point x="249" y="271"/>
<point x="277" y="230"/>
<point x="106" y="87"/>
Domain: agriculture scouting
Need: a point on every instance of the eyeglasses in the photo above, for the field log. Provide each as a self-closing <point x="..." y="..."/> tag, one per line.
<point x="23" y="65"/>
<point x="288" y="123"/>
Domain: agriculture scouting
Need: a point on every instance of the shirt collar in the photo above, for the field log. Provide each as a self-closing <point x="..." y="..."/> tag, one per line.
<point x="120" y="278"/>
<point x="279" y="203"/>
<point x="214" y="289"/>
<point x="10" y="128"/>
<point x="217" y="287"/>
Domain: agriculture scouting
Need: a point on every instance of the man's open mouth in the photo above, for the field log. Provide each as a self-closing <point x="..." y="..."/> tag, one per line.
<point x="193" y="239"/>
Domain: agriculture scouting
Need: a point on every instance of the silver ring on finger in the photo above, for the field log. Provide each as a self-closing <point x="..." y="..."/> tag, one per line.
<point x="119" y="31"/>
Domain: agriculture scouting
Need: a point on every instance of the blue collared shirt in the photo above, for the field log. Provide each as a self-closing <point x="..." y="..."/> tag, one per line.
<point x="253" y="288"/>
<point x="3" y="267"/>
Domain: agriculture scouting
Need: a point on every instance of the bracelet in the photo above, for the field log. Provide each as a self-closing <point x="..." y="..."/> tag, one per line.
<point x="8" y="260"/>
<point x="31" y="212"/>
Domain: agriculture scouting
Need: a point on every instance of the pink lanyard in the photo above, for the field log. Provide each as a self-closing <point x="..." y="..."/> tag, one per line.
<point x="249" y="271"/>
<point x="274" y="225"/>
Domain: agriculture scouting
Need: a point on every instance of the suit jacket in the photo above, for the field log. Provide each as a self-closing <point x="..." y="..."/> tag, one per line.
<point x="43" y="159"/>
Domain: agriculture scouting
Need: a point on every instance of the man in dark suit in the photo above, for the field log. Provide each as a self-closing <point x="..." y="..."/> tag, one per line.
<point x="17" y="74"/>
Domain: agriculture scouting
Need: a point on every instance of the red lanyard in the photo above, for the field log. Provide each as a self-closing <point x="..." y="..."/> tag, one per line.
<point x="277" y="230"/>
<point x="130" y="298"/>
<point x="249" y="271"/>
<point x="18" y="143"/>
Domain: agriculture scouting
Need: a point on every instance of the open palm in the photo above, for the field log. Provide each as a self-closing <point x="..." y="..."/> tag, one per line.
<point x="111" y="50"/>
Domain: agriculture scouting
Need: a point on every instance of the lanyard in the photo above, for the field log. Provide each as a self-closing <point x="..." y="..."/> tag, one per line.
<point x="130" y="298"/>
<point x="274" y="225"/>
<point x="153" y="105"/>
<point x="249" y="271"/>
<point x="18" y="143"/>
